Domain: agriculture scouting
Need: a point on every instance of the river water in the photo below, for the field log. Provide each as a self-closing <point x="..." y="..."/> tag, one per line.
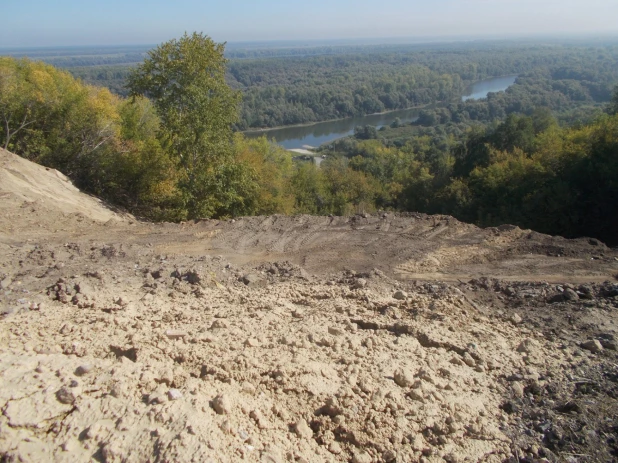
<point x="482" y="88"/>
<point x="323" y="132"/>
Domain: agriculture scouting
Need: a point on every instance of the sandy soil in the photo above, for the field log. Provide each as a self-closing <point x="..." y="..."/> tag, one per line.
<point x="384" y="338"/>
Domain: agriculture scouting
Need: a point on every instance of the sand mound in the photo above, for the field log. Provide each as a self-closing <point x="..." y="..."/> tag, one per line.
<point x="23" y="181"/>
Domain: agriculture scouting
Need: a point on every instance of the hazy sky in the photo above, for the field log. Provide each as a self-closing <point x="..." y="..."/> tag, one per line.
<point x="101" y="22"/>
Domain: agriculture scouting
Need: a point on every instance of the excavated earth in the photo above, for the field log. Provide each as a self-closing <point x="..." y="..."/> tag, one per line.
<point x="372" y="338"/>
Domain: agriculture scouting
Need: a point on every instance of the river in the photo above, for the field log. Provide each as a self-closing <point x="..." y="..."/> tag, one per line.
<point x="482" y="88"/>
<point x="323" y="132"/>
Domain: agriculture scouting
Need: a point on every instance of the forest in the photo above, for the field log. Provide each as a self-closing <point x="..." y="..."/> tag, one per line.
<point x="542" y="155"/>
<point x="300" y="90"/>
<point x="288" y="85"/>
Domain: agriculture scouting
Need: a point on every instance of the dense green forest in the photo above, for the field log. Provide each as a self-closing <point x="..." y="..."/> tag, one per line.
<point x="287" y="85"/>
<point x="543" y="154"/>
<point x="526" y="170"/>
<point x="300" y="90"/>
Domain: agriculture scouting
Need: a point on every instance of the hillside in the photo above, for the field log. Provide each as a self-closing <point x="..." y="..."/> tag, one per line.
<point x="370" y="338"/>
<point x="25" y="183"/>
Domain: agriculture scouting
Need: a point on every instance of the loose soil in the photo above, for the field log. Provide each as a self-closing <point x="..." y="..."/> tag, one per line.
<point x="376" y="338"/>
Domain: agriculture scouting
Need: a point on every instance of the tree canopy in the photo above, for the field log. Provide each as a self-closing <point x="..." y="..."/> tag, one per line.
<point x="185" y="79"/>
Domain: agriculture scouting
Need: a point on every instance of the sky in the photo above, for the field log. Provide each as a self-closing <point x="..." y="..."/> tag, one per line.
<point x="35" y="23"/>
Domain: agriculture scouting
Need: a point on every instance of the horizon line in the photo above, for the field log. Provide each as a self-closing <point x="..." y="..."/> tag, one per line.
<point x="404" y="39"/>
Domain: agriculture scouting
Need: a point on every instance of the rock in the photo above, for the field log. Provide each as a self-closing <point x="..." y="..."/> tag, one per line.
<point x="165" y="376"/>
<point x="6" y="282"/>
<point x="518" y="389"/>
<point x="271" y="457"/>
<point x="221" y="404"/>
<point x="252" y="342"/>
<point x="175" y="334"/>
<point x="192" y="277"/>
<point x="392" y="312"/>
<point x="417" y="443"/>
<point x="609" y="290"/>
<point x="335" y="448"/>
<point x="359" y="283"/>
<point x="156" y="398"/>
<point x="388" y="456"/>
<point x="469" y="360"/>
<point x="253" y="279"/>
<point x="303" y="430"/>
<point x="527" y="346"/>
<point x="243" y="434"/>
<point x="177" y="273"/>
<point x="570" y="295"/>
<point x="174" y="394"/>
<point x="157" y="274"/>
<point x="585" y="292"/>
<point x="416" y="395"/>
<point x="404" y="378"/>
<point x="362" y="457"/>
<point x="593" y="346"/>
<point x="218" y="324"/>
<point x="65" y="396"/>
<point x="452" y="458"/>
<point x="84" y="369"/>
<point x="36" y="306"/>
<point x="400" y="295"/>
<point x="516" y="319"/>
<point x="335" y="331"/>
<point x="609" y="344"/>
<point x="259" y="419"/>
<point x="83" y="287"/>
<point x="119" y="390"/>
<point x="332" y="408"/>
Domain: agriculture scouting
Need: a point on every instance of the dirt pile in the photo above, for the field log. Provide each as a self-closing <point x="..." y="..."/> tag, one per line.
<point x="305" y="339"/>
<point x="22" y="182"/>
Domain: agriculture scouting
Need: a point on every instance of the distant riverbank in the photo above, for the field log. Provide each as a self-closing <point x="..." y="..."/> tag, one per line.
<point x="318" y="133"/>
<point x="310" y="124"/>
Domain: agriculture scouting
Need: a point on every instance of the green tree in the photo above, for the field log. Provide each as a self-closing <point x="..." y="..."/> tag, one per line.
<point x="367" y="132"/>
<point x="16" y="106"/>
<point x="49" y="117"/>
<point x="272" y="170"/>
<point x="613" y="106"/>
<point x="310" y="189"/>
<point x="185" y="79"/>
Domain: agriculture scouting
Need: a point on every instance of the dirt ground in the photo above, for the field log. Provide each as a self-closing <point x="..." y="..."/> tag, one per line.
<point x="377" y="338"/>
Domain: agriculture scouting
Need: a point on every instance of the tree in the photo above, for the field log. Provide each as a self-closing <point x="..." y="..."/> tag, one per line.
<point x="106" y="145"/>
<point x="185" y="78"/>
<point x="272" y="169"/>
<point x="16" y="112"/>
<point x="613" y="106"/>
<point x="49" y="117"/>
<point x="396" y="123"/>
<point x="367" y="132"/>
